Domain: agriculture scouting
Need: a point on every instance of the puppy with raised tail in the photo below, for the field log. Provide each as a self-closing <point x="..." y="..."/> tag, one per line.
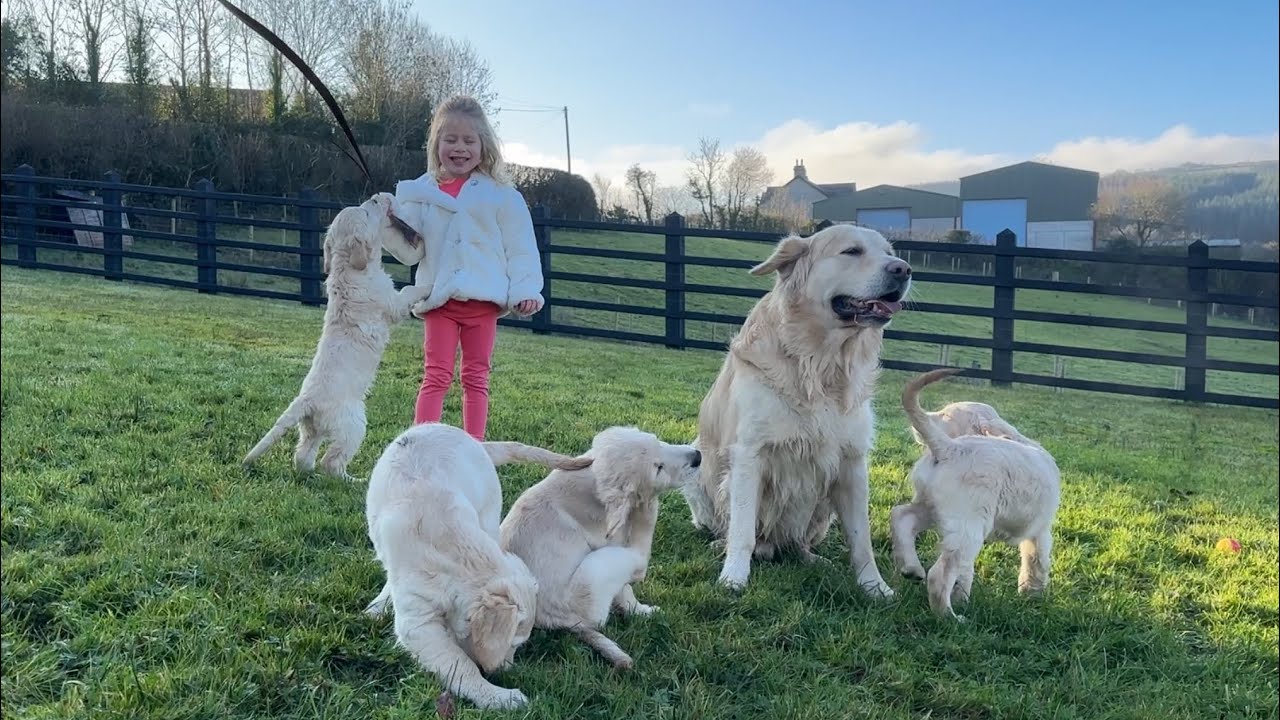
<point x="362" y="305"/>
<point x="462" y="604"/>
<point x="977" y="482"/>
<point x="587" y="534"/>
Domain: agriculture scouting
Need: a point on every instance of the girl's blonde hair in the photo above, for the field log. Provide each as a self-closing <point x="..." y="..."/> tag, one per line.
<point x="462" y="106"/>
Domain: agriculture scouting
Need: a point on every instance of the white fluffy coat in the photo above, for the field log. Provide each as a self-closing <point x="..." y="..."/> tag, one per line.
<point x="362" y="305"/>
<point x="587" y="534"/>
<point x="787" y="426"/>
<point x="989" y="483"/>
<point x="462" y="605"/>
<point x="478" y="246"/>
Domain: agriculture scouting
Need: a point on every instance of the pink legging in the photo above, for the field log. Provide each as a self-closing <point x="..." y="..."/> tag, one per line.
<point x="474" y="326"/>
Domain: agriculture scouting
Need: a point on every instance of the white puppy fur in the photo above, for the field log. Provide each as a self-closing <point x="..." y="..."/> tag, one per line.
<point x="587" y="534"/>
<point x="786" y="428"/>
<point x="462" y="604"/>
<point x="362" y="305"/>
<point x="978" y="479"/>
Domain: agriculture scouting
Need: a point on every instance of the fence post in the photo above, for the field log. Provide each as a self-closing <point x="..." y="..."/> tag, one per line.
<point x="112" y="244"/>
<point x="27" y="215"/>
<point x="675" y="280"/>
<point x="206" y="239"/>
<point x="542" y="235"/>
<point x="308" y="242"/>
<point x="1002" y="309"/>
<point x="1193" y="386"/>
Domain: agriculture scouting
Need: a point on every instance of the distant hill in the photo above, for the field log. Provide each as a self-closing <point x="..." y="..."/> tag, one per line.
<point x="1241" y="200"/>
<point x="1224" y="201"/>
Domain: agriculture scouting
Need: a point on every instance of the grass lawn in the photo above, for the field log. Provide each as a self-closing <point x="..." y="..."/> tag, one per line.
<point x="146" y="575"/>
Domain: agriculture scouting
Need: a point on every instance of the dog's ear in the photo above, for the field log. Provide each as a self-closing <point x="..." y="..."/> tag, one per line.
<point x="784" y="257"/>
<point x="325" y="254"/>
<point x="492" y="627"/>
<point x="359" y="253"/>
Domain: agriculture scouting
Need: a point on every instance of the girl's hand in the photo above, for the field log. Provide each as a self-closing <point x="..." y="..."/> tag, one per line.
<point x="527" y="307"/>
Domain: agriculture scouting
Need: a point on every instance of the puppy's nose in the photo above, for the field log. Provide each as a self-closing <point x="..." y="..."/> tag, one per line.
<point x="697" y="459"/>
<point x="898" y="268"/>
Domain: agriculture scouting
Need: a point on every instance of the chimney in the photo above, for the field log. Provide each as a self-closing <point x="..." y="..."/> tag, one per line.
<point x="799" y="170"/>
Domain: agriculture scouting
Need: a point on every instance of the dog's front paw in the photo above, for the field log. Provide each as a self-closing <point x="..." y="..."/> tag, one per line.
<point x="642" y="609"/>
<point x="734" y="576"/>
<point x="877" y="589"/>
<point x="505" y="700"/>
<point x="420" y="309"/>
<point x="915" y="572"/>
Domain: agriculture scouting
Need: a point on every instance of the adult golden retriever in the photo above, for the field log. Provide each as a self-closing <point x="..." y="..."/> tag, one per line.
<point x="786" y="428"/>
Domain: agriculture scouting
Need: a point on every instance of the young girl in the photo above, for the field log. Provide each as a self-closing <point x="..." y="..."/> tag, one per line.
<point x="478" y="254"/>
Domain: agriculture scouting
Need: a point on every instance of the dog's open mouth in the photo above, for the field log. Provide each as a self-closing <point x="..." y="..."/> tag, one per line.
<point x="875" y="311"/>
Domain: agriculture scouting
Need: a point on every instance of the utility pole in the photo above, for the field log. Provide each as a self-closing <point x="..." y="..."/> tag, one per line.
<point x="567" y="157"/>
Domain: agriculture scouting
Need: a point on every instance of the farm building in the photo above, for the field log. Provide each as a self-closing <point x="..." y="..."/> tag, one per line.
<point x="893" y="209"/>
<point x="1047" y="206"/>
<point x="798" y="194"/>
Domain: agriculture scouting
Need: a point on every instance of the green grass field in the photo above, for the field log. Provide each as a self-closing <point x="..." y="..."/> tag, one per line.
<point x="937" y="292"/>
<point x="146" y="575"/>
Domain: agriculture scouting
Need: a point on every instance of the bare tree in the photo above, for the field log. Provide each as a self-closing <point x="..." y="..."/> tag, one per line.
<point x="741" y="185"/>
<point x="137" y="27"/>
<point x="1143" y="210"/>
<point x="706" y="167"/>
<point x="97" y="31"/>
<point x="603" y="187"/>
<point x="641" y="182"/>
<point x="51" y="15"/>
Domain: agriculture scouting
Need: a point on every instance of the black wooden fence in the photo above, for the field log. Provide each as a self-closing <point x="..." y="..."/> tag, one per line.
<point x="34" y="214"/>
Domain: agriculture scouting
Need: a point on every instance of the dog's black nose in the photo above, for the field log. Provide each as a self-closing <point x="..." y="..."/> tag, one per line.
<point x="898" y="268"/>
<point x="697" y="459"/>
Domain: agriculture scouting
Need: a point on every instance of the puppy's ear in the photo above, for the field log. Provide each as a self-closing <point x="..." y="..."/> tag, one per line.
<point x="617" y="514"/>
<point x="784" y="257"/>
<point x="492" y="626"/>
<point x="325" y="254"/>
<point x="359" y="253"/>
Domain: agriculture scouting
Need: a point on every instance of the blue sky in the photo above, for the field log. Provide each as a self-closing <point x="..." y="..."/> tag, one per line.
<point x="880" y="92"/>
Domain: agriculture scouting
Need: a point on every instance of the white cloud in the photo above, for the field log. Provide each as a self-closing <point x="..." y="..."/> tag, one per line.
<point x="1175" y="146"/>
<point x="871" y="154"/>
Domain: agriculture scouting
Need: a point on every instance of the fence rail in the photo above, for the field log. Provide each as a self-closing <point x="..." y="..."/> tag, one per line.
<point x="26" y="196"/>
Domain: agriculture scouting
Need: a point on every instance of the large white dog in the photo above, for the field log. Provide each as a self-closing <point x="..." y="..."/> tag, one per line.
<point x="362" y="305"/>
<point x="586" y="534"/>
<point x="786" y="428"/>
<point x="984" y="480"/>
<point x="460" y="601"/>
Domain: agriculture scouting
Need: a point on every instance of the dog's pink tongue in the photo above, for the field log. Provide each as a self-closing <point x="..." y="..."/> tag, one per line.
<point x="888" y="307"/>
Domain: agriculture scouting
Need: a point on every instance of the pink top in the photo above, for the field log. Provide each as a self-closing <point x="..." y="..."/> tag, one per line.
<point x="453" y="185"/>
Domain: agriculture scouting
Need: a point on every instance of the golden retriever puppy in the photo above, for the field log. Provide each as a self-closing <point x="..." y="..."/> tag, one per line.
<point x="972" y="418"/>
<point x="362" y="305"/>
<point x="786" y="428"/>
<point x="462" y="605"/>
<point x="991" y="483"/>
<point x="586" y="534"/>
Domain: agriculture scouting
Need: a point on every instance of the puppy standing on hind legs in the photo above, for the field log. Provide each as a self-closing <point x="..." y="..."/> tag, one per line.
<point x="973" y="484"/>
<point x="362" y="305"/>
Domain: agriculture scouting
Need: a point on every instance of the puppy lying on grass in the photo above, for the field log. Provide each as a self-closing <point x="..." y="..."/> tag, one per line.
<point x="462" y="604"/>
<point x="978" y="479"/>
<point x="586" y="534"/>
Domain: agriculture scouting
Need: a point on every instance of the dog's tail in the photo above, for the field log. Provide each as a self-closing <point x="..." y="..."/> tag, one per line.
<point x="502" y="453"/>
<point x="290" y="417"/>
<point x="599" y="642"/>
<point x="930" y="433"/>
